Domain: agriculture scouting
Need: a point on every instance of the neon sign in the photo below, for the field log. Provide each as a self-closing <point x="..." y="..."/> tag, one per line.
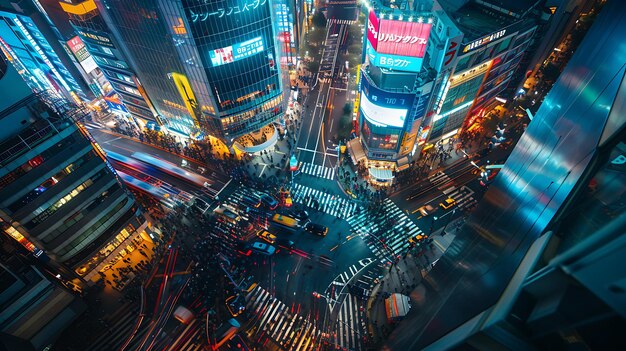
<point x="480" y="42"/>
<point x="226" y="11"/>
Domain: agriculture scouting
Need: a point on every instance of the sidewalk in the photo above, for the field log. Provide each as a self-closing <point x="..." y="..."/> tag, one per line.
<point x="405" y="277"/>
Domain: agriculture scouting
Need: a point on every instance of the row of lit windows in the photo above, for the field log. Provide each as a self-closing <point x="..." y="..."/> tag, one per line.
<point x="71" y="219"/>
<point x="42" y="215"/>
<point x="38" y="160"/>
<point x="84" y="239"/>
<point x="50" y="182"/>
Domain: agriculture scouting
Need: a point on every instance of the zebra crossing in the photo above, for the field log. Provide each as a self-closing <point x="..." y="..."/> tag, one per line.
<point x="462" y="196"/>
<point x="333" y="205"/>
<point x="274" y="319"/>
<point x="317" y="170"/>
<point x="386" y="232"/>
<point x="93" y="125"/>
<point x="350" y="327"/>
<point x="118" y="328"/>
<point x="439" y="179"/>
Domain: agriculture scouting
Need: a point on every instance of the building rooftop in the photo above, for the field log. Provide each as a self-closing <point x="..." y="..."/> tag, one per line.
<point x="477" y="20"/>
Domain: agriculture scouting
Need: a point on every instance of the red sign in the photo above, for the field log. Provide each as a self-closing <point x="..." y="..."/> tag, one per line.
<point x="451" y="52"/>
<point x="401" y="38"/>
<point x="372" y="29"/>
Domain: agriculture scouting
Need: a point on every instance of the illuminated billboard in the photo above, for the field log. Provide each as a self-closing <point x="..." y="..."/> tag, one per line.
<point x="236" y="52"/>
<point x="384" y="108"/>
<point x="396" y="62"/>
<point x="372" y="29"/>
<point x="397" y="37"/>
<point x="382" y="116"/>
<point x="79" y="50"/>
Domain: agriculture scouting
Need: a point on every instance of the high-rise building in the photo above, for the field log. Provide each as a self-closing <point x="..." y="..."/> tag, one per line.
<point x="539" y="262"/>
<point x="203" y="67"/>
<point x="429" y="70"/>
<point x="59" y="198"/>
<point x="33" y="45"/>
<point x="34" y="308"/>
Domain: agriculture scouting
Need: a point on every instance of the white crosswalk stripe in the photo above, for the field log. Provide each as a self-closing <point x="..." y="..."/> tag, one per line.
<point x="333" y="205"/>
<point x="120" y="326"/>
<point x="439" y="179"/>
<point x="350" y="328"/>
<point x="93" y="125"/>
<point x="272" y="317"/>
<point x="386" y="232"/>
<point x="463" y="197"/>
<point x="317" y="170"/>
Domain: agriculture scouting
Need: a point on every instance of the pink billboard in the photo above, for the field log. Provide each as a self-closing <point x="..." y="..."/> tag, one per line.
<point x="399" y="37"/>
<point x="372" y="29"/>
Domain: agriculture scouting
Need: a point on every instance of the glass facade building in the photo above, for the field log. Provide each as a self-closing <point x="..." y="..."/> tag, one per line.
<point x="539" y="263"/>
<point x="60" y="199"/>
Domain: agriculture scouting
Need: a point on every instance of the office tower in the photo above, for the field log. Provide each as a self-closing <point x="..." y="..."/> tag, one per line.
<point x="539" y="263"/>
<point x="109" y="56"/>
<point x="33" y="45"/>
<point x="204" y="67"/>
<point x="60" y="199"/>
<point x="430" y="70"/>
<point x="34" y="308"/>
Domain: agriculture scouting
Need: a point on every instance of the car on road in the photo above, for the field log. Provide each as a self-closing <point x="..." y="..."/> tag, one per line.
<point x="286" y="221"/>
<point x="447" y="203"/>
<point x="251" y="201"/>
<point x="414" y="240"/>
<point x="267" y="236"/>
<point x="300" y="215"/>
<point x="426" y="210"/>
<point x="235" y="304"/>
<point x="315" y="228"/>
<point x="263" y="248"/>
<point x="269" y="201"/>
<point x="285" y="243"/>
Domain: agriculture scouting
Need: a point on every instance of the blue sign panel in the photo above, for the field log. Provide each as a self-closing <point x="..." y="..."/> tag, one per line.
<point x="384" y="108"/>
<point x="395" y="62"/>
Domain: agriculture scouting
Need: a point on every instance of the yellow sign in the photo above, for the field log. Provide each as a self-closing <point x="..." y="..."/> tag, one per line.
<point x="78" y="9"/>
<point x="185" y="91"/>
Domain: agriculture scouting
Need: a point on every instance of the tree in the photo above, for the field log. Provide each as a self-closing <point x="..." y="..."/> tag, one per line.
<point x="319" y="20"/>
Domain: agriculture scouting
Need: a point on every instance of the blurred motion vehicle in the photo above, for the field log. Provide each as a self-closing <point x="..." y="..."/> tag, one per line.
<point x="426" y="210"/>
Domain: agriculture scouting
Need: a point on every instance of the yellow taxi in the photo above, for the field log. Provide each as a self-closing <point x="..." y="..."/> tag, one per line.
<point x="448" y="203"/>
<point x="267" y="236"/>
<point x="416" y="239"/>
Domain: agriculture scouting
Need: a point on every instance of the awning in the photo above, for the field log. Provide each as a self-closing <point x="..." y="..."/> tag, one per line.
<point x="356" y="150"/>
<point x="382" y="174"/>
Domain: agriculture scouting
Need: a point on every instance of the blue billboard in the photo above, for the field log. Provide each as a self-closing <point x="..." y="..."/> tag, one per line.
<point x="395" y="62"/>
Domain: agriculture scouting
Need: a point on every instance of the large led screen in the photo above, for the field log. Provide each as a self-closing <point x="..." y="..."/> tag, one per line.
<point x="402" y="38"/>
<point x="382" y="116"/>
<point x="236" y="52"/>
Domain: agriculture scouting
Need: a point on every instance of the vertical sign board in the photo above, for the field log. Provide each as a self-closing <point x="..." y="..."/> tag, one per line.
<point x="372" y="29"/>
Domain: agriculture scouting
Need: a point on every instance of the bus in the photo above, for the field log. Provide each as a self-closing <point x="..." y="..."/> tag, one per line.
<point x="165" y="197"/>
<point x="172" y="169"/>
<point x="286" y="221"/>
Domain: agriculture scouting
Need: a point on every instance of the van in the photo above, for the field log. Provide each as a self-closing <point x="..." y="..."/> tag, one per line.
<point x="286" y="221"/>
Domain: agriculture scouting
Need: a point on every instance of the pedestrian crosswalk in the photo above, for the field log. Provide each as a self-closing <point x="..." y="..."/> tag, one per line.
<point x="462" y="196"/>
<point x="275" y="319"/>
<point x="93" y="125"/>
<point x="317" y="170"/>
<point x="117" y="328"/>
<point x="333" y="205"/>
<point x="439" y="179"/>
<point x="350" y="327"/>
<point x="386" y="230"/>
